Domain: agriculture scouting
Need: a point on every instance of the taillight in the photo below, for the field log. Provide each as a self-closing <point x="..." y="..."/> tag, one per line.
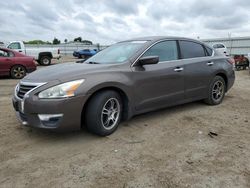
<point x="231" y="61"/>
<point x="58" y="51"/>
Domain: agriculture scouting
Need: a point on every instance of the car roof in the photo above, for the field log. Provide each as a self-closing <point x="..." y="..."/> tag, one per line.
<point x="2" y="48"/>
<point x="157" y="38"/>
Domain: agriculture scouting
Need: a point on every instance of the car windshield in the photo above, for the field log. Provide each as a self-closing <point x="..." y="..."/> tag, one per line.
<point x="117" y="53"/>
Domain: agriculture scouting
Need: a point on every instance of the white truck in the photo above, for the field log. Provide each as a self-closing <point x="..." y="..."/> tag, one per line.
<point x="42" y="55"/>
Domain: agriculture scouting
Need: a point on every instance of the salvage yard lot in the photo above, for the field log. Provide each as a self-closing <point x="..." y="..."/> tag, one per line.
<point x="166" y="148"/>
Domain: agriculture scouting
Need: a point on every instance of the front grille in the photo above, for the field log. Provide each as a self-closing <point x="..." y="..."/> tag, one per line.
<point x="23" y="89"/>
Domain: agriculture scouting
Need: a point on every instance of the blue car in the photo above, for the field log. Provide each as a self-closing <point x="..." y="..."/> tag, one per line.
<point x="84" y="54"/>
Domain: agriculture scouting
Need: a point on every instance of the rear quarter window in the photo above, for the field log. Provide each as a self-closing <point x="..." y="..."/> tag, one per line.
<point x="191" y="49"/>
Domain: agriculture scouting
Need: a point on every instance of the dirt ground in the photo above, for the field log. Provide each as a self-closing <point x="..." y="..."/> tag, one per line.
<point x="167" y="148"/>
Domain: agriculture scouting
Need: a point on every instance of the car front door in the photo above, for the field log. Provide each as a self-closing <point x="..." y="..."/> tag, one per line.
<point x="198" y="69"/>
<point x="161" y="84"/>
<point x="5" y="62"/>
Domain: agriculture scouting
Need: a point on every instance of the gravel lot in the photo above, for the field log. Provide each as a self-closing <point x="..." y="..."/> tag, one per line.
<point x="167" y="148"/>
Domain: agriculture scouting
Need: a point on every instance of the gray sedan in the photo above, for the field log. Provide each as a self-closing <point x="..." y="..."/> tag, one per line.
<point x="125" y="79"/>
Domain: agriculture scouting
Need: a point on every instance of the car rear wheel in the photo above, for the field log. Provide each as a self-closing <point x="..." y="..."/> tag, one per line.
<point x="216" y="91"/>
<point x="103" y="113"/>
<point x="45" y="60"/>
<point x="18" y="72"/>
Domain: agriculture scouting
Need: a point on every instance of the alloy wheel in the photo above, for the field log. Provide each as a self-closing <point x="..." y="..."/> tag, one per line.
<point x="19" y="72"/>
<point x="218" y="90"/>
<point x="110" y="113"/>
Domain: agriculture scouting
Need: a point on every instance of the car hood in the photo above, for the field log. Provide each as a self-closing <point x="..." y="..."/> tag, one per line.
<point x="66" y="72"/>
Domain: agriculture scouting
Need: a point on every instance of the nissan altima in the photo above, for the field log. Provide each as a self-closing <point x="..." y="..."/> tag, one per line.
<point x="128" y="78"/>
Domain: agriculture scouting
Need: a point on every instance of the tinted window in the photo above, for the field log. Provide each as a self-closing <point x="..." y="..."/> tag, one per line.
<point x="191" y="49"/>
<point x="15" y="45"/>
<point x="209" y="51"/>
<point x="166" y="51"/>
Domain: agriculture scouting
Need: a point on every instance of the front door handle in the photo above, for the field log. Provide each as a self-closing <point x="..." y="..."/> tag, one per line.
<point x="210" y="63"/>
<point x="178" y="69"/>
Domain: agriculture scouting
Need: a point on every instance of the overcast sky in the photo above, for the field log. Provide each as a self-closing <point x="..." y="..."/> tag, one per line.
<point x="109" y="21"/>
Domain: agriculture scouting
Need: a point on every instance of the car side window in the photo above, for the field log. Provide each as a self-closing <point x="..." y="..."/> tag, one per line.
<point x="166" y="51"/>
<point x="191" y="49"/>
<point x="3" y="54"/>
<point x="14" y="45"/>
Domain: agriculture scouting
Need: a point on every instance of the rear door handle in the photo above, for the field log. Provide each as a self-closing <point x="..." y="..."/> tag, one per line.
<point x="210" y="63"/>
<point x="178" y="69"/>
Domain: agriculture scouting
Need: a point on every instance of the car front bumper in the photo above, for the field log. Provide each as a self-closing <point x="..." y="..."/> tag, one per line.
<point x="59" y="114"/>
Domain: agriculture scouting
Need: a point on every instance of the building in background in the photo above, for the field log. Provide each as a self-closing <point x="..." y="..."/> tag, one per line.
<point x="235" y="45"/>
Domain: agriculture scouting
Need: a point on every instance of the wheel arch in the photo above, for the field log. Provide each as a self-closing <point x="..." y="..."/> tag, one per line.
<point x="125" y="101"/>
<point x="41" y="54"/>
<point x="17" y="65"/>
<point x="224" y="76"/>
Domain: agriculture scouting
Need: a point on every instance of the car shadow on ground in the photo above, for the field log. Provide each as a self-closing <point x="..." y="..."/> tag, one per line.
<point x="83" y="134"/>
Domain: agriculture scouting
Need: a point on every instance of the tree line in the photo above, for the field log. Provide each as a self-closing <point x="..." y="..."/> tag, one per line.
<point x="57" y="41"/>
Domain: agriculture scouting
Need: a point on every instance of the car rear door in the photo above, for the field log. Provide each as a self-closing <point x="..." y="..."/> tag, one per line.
<point x="161" y="84"/>
<point x="198" y="67"/>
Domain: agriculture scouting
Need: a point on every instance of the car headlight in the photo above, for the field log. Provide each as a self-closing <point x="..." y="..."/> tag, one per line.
<point x="61" y="91"/>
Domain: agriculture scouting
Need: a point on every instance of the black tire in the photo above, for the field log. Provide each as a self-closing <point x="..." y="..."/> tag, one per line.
<point x="216" y="96"/>
<point x="83" y="57"/>
<point x="45" y="60"/>
<point x="18" y="72"/>
<point x="96" y="119"/>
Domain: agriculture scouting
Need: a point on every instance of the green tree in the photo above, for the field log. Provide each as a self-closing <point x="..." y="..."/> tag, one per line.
<point x="88" y="42"/>
<point x="56" y="41"/>
<point x="78" y="39"/>
<point x="65" y="40"/>
<point x="37" y="42"/>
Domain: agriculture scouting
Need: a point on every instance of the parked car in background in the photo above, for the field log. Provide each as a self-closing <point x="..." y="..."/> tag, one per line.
<point x="221" y="48"/>
<point x="128" y="78"/>
<point x="241" y="62"/>
<point x="15" y="64"/>
<point x="42" y="55"/>
<point x="84" y="54"/>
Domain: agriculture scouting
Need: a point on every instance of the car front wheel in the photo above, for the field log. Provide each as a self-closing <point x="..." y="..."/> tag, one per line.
<point x="103" y="113"/>
<point x="18" y="72"/>
<point x="216" y="91"/>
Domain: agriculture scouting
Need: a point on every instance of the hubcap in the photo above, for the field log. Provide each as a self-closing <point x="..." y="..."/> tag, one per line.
<point x="19" y="72"/>
<point x="218" y="90"/>
<point x="46" y="61"/>
<point x="110" y="113"/>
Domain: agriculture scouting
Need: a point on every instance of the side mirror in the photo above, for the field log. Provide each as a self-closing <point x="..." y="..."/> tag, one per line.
<point x="148" y="60"/>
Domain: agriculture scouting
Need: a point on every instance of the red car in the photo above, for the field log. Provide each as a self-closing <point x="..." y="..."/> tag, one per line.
<point x="15" y="64"/>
